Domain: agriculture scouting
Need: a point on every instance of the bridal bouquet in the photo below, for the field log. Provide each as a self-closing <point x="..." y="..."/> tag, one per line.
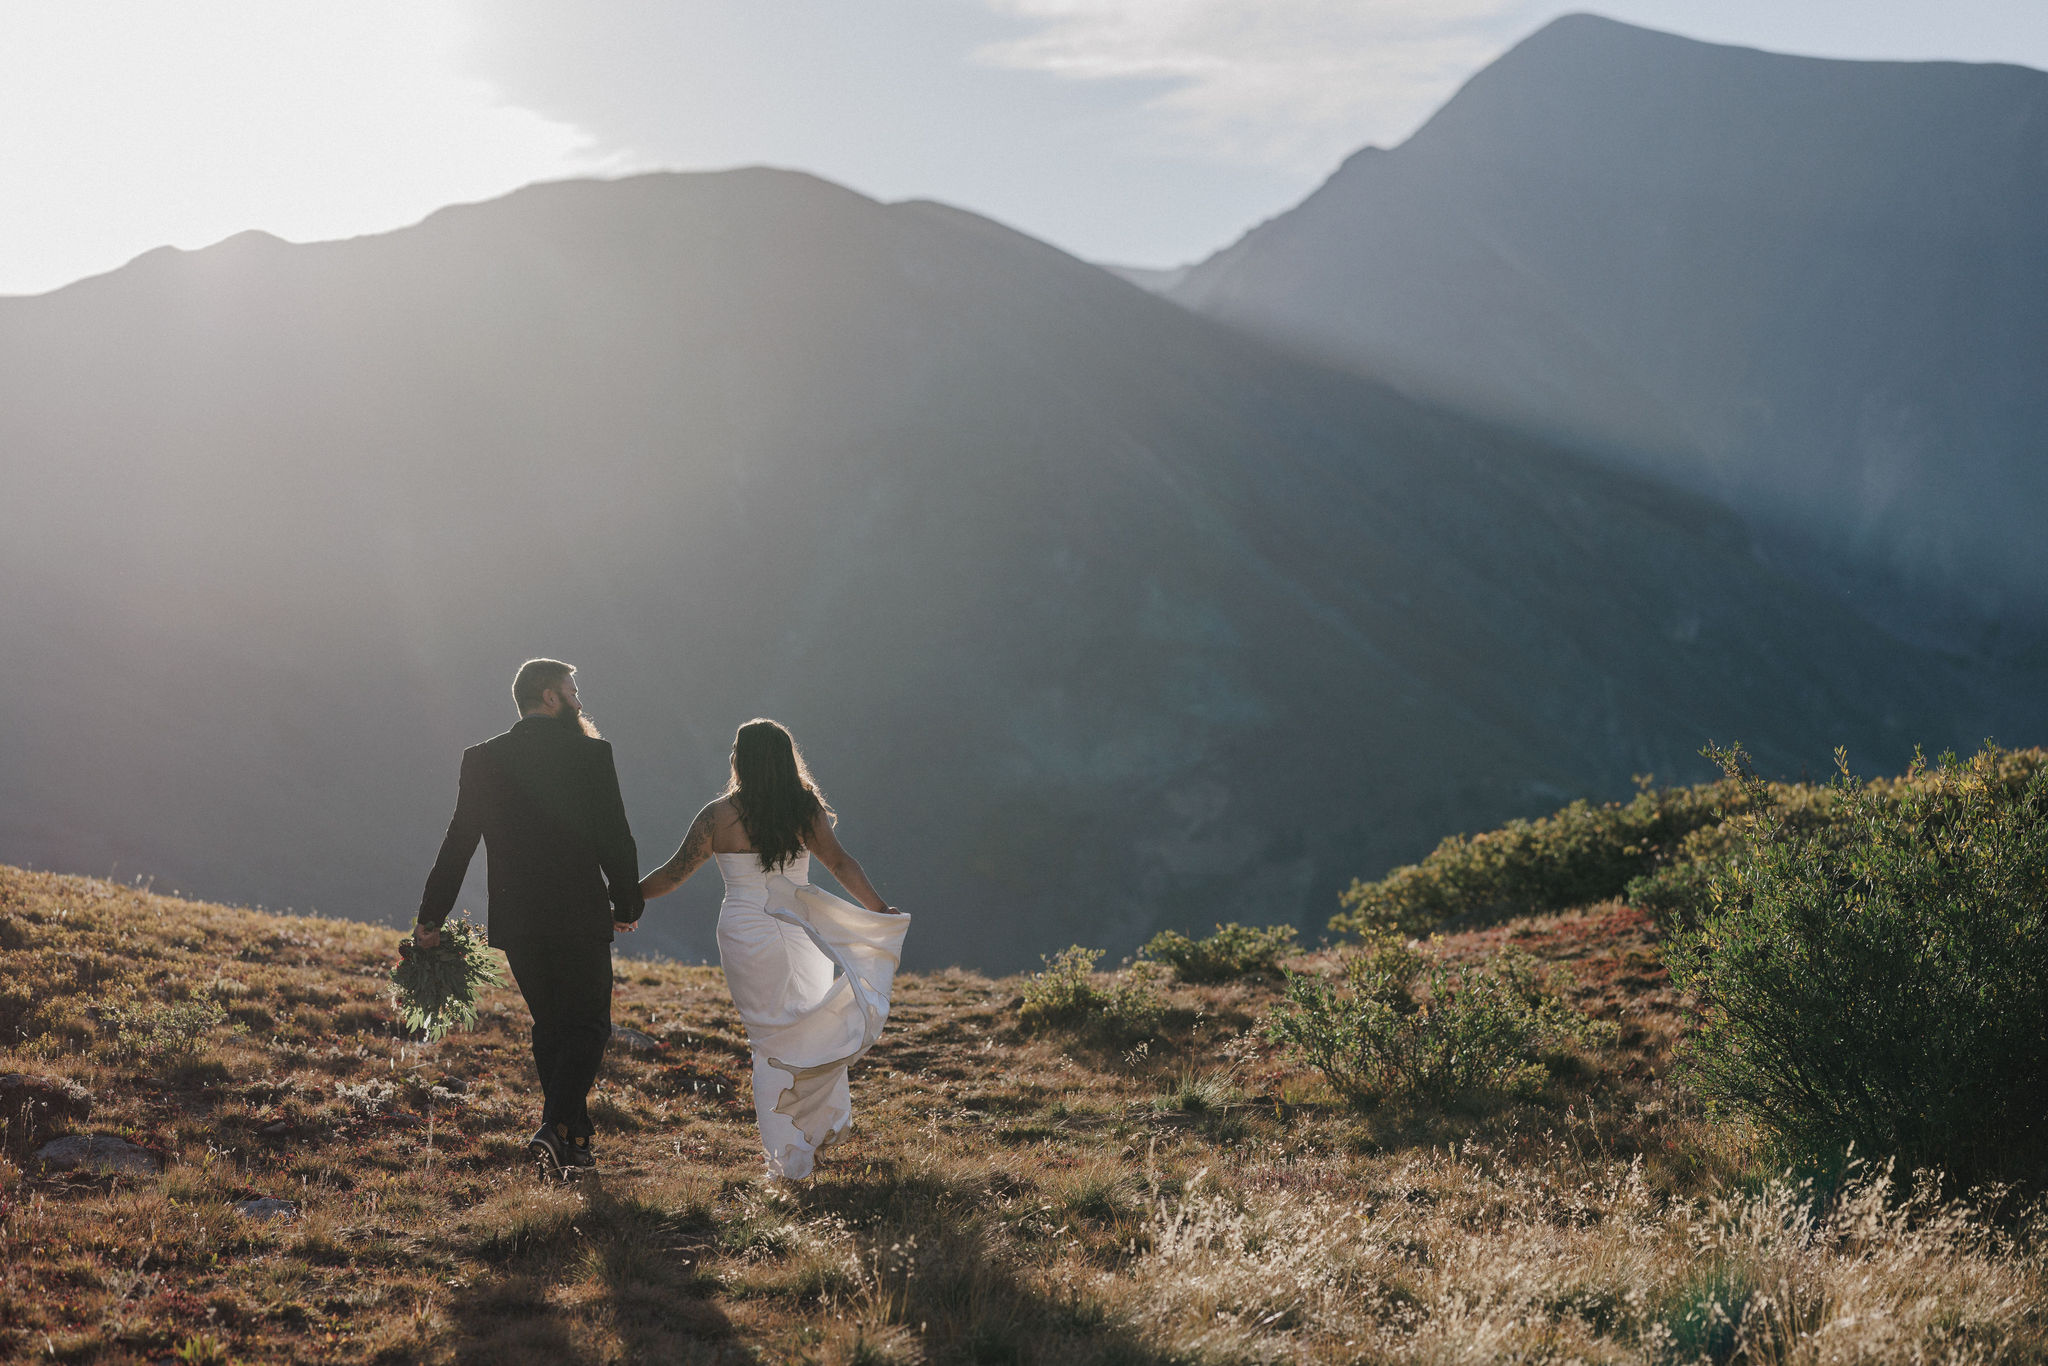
<point x="437" y="987"/>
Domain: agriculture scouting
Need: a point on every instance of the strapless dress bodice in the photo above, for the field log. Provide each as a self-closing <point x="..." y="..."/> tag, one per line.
<point x="744" y="875"/>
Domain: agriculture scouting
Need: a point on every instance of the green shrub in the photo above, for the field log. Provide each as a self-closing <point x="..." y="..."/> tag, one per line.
<point x="1580" y="855"/>
<point x="1068" y="995"/>
<point x="1679" y="892"/>
<point x="1232" y="952"/>
<point x="1402" y="1020"/>
<point x="1659" y="850"/>
<point x="1881" y="979"/>
<point x="163" y="1030"/>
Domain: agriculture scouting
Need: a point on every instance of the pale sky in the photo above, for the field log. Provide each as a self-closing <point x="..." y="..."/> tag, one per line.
<point x="1142" y="131"/>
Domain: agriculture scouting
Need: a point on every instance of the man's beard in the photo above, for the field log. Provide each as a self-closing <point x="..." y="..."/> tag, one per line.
<point x="577" y="721"/>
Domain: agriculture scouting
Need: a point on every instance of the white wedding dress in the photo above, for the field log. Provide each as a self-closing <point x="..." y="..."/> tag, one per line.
<point x="810" y="973"/>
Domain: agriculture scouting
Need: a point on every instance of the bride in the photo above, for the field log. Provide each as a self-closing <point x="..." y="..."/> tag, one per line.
<point x="810" y="972"/>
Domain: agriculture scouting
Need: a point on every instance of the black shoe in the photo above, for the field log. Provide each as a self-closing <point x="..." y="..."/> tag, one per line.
<point x="577" y="1152"/>
<point x="548" y="1150"/>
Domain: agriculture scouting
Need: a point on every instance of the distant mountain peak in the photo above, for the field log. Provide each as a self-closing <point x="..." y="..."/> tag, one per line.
<point x="1810" y="288"/>
<point x="1584" y="31"/>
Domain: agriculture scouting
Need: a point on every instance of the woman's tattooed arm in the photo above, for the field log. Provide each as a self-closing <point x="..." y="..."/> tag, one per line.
<point x="688" y="857"/>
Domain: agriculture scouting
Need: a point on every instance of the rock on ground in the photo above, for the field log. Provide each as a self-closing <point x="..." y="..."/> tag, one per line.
<point x="97" y="1152"/>
<point x="633" y="1041"/>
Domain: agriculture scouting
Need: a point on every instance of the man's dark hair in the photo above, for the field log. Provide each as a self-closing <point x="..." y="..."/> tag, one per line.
<point x="535" y="677"/>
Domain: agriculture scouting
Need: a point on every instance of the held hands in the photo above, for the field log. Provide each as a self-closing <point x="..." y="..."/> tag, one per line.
<point x="625" y="926"/>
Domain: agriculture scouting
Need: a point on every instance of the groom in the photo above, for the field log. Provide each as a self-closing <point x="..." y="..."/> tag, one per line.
<point x="563" y="875"/>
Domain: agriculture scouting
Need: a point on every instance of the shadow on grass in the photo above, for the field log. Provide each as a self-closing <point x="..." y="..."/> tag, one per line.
<point x="938" y="1267"/>
<point x="937" y="1270"/>
<point x="624" y="1263"/>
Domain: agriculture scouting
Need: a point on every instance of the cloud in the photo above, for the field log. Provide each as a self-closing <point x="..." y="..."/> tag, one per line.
<point x="129" y="124"/>
<point x="1292" y="84"/>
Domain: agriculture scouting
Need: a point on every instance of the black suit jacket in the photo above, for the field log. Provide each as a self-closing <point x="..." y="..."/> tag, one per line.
<point x="545" y="801"/>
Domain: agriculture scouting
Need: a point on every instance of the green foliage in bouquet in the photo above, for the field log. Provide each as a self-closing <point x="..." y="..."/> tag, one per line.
<point x="437" y="988"/>
<point x="1881" y="979"/>
<point x="1402" y="1020"/>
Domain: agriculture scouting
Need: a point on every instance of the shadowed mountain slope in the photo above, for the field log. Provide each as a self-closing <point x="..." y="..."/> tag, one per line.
<point x="1094" y="616"/>
<point x="1814" y="290"/>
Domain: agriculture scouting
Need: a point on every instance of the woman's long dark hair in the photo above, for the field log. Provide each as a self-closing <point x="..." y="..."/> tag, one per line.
<point x="772" y="791"/>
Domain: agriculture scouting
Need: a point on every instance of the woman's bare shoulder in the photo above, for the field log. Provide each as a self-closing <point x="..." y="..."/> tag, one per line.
<point x="728" y="832"/>
<point x="819" y="837"/>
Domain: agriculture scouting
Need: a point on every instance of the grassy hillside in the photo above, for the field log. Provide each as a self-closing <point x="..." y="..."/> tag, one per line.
<point x="1190" y="1196"/>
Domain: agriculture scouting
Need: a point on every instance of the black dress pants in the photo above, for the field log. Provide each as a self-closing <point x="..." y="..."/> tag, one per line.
<point x="568" y="987"/>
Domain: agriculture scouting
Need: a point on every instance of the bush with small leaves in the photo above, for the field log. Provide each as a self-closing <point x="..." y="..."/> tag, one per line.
<point x="1582" y="854"/>
<point x="1661" y="850"/>
<point x="1402" y="1020"/>
<point x="1881" y="980"/>
<point x="1678" y="893"/>
<point x="1069" y="994"/>
<point x="1233" y="952"/>
<point x="164" y="1030"/>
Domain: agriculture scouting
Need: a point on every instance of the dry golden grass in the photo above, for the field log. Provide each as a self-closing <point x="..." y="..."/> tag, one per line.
<point x="1005" y="1199"/>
